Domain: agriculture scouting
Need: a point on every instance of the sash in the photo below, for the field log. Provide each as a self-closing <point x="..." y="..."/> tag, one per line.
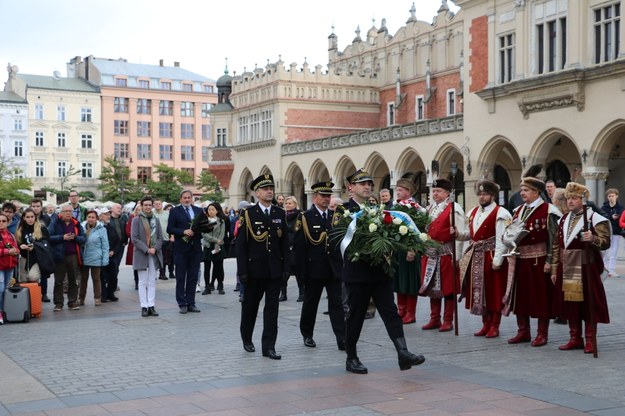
<point x="476" y="252"/>
<point x="432" y="279"/>
<point x="572" y="275"/>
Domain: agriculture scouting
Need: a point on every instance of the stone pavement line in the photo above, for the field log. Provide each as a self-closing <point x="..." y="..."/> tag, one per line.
<point x="15" y="383"/>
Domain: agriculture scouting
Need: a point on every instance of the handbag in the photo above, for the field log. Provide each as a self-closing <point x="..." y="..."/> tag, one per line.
<point x="29" y="273"/>
<point x="45" y="260"/>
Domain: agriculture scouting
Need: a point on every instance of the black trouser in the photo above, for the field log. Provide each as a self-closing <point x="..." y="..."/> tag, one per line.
<point x="254" y="291"/>
<point x="312" y="295"/>
<point x="217" y="261"/>
<point x="108" y="276"/>
<point x="167" y="259"/>
<point x="358" y="296"/>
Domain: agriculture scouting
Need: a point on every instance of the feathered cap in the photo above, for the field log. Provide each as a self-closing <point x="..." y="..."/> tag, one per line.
<point x="530" y="178"/>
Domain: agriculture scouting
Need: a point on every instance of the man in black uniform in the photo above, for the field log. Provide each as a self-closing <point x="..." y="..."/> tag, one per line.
<point x="315" y="262"/>
<point x="262" y="248"/>
<point x="364" y="281"/>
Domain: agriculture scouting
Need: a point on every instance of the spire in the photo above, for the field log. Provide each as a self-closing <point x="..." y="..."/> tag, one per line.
<point x="226" y="68"/>
<point x="413" y="14"/>
<point x="444" y="7"/>
<point x="357" y="38"/>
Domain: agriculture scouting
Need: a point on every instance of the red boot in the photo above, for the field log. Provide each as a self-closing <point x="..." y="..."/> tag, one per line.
<point x="401" y="305"/>
<point x="411" y="310"/>
<point x="576" y="342"/>
<point x="495" y="320"/>
<point x="435" y="314"/>
<point x="448" y="317"/>
<point x="591" y="334"/>
<point x="543" y="333"/>
<point x="523" y="334"/>
<point x="485" y="325"/>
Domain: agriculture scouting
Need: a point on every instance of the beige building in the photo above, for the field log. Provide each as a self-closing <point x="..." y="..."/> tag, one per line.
<point x="63" y="131"/>
<point x="493" y="89"/>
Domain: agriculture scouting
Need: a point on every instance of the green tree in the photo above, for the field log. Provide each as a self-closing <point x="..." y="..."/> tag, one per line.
<point x="170" y="182"/>
<point x="209" y="185"/>
<point x="62" y="193"/>
<point x="115" y="182"/>
<point x="12" y="186"/>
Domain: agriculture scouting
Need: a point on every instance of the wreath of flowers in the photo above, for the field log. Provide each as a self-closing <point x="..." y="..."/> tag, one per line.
<point x="374" y="234"/>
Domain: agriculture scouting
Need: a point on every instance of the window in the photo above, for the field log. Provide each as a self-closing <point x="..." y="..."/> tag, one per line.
<point x="166" y="152"/>
<point x="86" y="141"/>
<point x="18" y="146"/>
<point x="120" y="105"/>
<point x="186" y="109"/>
<point x="166" y="108"/>
<point x="38" y="111"/>
<point x="243" y="129"/>
<point x="121" y="151"/>
<point x="61" y="169"/>
<point x="60" y="112"/>
<point x="85" y="115"/>
<point x="186" y="152"/>
<point x="390" y="114"/>
<point x="143" y="174"/>
<point x="266" y="124"/>
<point x="186" y="131"/>
<point x="187" y="87"/>
<point x="165" y="85"/>
<point x="205" y="152"/>
<point x="506" y="58"/>
<point x="550" y="35"/>
<point x="144" y="84"/>
<point x="61" y="140"/>
<point x="144" y="106"/>
<point x="121" y="82"/>
<point x="419" y="108"/>
<point x="207" y="88"/>
<point x="39" y="139"/>
<point x="221" y="137"/>
<point x="607" y="32"/>
<point x="40" y="168"/>
<point x="87" y="170"/>
<point x="205" y="109"/>
<point x="144" y="128"/>
<point x="206" y="131"/>
<point x="144" y="151"/>
<point x="165" y="129"/>
<point x="451" y="102"/>
<point x="17" y="125"/>
<point x="121" y="128"/>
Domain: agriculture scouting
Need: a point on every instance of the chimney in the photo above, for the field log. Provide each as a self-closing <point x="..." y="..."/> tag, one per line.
<point x="160" y="62"/>
<point x="177" y="64"/>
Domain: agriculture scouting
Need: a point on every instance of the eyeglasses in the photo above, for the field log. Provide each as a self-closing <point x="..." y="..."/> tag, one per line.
<point x="66" y="212"/>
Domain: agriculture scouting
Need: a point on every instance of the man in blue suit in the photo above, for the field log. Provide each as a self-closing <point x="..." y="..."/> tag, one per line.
<point x="187" y="250"/>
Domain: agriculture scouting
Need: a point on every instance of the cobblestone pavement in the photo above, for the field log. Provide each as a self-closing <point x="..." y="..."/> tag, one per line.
<point x="109" y="360"/>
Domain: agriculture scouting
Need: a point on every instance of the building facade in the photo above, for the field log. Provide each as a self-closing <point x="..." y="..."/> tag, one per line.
<point x="63" y="132"/>
<point x="14" y="146"/>
<point x="486" y="92"/>
<point x="151" y="114"/>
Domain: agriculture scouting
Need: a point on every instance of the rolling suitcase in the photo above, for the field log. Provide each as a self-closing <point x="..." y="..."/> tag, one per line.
<point x="35" y="299"/>
<point x="17" y="304"/>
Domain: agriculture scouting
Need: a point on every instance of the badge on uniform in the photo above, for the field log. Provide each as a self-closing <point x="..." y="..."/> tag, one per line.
<point x="279" y="233"/>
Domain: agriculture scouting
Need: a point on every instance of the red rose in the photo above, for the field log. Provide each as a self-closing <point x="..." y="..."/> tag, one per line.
<point x="387" y="218"/>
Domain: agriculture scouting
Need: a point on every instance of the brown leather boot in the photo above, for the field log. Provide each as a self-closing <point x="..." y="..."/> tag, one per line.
<point x="485" y="325"/>
<point x="523" y="334"/>
<point x="542" y="334"/>
<point x="495" y="320"/>
<point x="576" y="342"/>
<point x="435" y="315"/>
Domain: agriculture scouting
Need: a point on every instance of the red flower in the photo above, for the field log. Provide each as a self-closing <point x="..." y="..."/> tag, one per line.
<point x="387" y="218"/>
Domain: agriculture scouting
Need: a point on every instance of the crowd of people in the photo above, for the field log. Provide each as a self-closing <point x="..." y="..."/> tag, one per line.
<point x="551" y="270"/>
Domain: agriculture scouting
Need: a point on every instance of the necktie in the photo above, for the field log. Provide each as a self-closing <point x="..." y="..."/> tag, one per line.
<point x="188" y="211"/>
<point x="324" y="216"/>
<point x="526" y="211"/>
<point x="267" y="211"/>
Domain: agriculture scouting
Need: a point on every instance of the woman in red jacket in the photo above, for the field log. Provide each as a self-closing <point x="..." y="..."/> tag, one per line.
<point x="9" y="252"/>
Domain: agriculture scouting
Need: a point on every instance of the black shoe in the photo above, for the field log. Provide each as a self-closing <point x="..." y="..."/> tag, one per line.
<point x="172" y="276"/>
<point x="104" y="300"/>
<point x="206" y="292"/>
<point x="113" y="298"/>
<point x="144" y="312"/>
<point x="282" y="298"/>
<point x="183" y="309"/>
<point x="212" y="286"/>
<point x="272" y="354"/>
<point x="136" y="287"/>
<point x="163" y="277"/>
<point x="560" y="321"/>
<point x="369" y="315"/>
<point x="192" y="308"/>
<point x="249" y="347"/>
<point x="237" y="287"/>
<point x="45" y="299"/>
<point x="152" y="311"/>
<point x="300" y="298"/>
<point x="309" y="342"/>
<point x="341" y="345"/>
<point x="221" y="292"/>
<point x="353" y="365"/>
<point x="241" y="299"/>
<point x="326" y="313"/>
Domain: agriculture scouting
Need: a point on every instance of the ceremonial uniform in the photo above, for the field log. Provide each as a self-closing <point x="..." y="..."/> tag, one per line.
<point x="440" y="279"/>
<point x="580" y="289"/>
<point x="262" y="249"/>
<point x="483" y="286"/>
<point x="317" y="263"/>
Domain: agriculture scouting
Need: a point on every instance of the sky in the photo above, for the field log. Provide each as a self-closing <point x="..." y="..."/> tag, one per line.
<point x="41" y="36"/>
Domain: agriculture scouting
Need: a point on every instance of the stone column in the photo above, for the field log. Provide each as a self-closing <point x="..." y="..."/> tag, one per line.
<point x="595" y="182"/>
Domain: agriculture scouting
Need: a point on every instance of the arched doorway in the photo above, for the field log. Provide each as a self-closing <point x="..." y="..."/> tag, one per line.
<point x="502" y="178"/>
<point x="559" y="173"/>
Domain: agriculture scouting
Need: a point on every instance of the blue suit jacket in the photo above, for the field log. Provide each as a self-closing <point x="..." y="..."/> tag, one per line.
<point x="177" y="223"/>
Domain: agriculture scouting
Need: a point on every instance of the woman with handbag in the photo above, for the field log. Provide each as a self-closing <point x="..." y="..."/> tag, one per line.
<point x="8" y="259"/>
<point x="213" y="243"/>
<point x="95" y="257"/>
<point x="29" y="231"/>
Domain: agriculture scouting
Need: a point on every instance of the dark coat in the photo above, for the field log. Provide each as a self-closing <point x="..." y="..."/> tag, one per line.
<point x="312" y="253"/>
<point x="268" y="258"/>
<point x="177" y="223"/>
<point x="57" y="230"/>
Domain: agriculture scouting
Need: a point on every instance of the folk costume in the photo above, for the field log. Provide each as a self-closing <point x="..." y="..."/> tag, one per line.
<point x="483" y="286"/>
<point x="437" y="268"/>
<point x="578" y="278"/>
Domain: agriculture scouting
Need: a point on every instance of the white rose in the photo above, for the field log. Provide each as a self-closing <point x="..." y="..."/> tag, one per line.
<point x="403" y="230"/>
<point x="396" y="221"/>
<point x="423" y="237"/>
<point x="373" y="228"/>
<point x="346" y="214"/>
<point x="373" y="211"/>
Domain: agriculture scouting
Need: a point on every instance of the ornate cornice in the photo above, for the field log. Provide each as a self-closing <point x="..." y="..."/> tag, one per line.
<point x="254" y="146"/>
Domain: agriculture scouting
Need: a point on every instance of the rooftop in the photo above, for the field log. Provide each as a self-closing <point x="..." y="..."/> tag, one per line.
<point x="57" y="83"/>
<point x="11" y="97"/>
<point x="121" y="67"/>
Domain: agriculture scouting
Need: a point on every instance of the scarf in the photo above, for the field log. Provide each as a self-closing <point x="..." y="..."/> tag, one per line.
<point x="149" y="226"/>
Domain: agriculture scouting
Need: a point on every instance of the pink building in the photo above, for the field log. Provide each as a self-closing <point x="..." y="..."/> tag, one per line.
<point x="151" y="114"/>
